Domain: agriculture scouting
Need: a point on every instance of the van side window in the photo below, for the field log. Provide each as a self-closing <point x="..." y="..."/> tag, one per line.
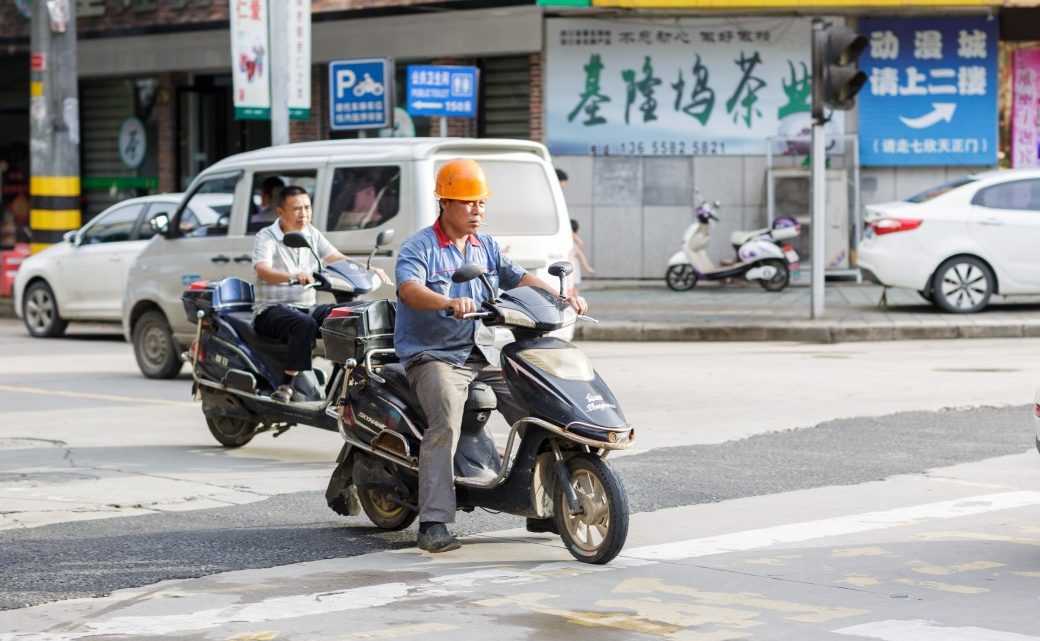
<point x="266" y="187"/>
<point x="208" y="212"/>
<point x="363" y="197"/>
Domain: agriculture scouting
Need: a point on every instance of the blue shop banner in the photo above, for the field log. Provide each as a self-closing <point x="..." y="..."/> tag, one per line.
<point x="931" y="92"/>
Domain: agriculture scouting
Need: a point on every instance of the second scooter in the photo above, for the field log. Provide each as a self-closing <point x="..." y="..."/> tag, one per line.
<point x="761" y="254"/>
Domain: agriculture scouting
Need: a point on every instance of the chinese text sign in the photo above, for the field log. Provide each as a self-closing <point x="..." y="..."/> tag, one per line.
<point x="675" y="87"/>
<point x="442" y="91"/>
<point x="249" y="59"/>
<point x="931" y="92"/>
<point x="1025" y="140"/>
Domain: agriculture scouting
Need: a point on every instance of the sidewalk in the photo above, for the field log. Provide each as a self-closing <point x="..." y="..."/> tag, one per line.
<point x="648" y="311"/>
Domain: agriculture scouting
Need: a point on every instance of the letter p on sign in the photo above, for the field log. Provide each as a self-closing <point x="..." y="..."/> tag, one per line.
<point x="345" y="79"/>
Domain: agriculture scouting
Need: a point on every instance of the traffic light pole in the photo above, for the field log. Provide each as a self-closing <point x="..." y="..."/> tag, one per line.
<point x="54" y="186"/>
<point x="817" y="177"/>
<point x="817" y="217"/>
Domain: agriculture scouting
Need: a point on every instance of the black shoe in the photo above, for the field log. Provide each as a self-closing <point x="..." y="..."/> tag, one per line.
<point x="283" y="394"/>
<point x="542" y="525"/>
<point x="438" y="539"/>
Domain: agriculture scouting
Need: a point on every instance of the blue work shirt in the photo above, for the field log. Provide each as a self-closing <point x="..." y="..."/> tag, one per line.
<point x="430" y="258"/>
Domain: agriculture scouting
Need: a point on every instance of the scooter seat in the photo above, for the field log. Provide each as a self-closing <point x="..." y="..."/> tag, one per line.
<point x="243" y="324"/>
<point x="740" y="237"/>
<point x="397" y="381"/>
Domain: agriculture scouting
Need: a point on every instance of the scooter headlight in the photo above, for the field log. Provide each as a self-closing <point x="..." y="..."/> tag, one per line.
<point x="569" y="363"/>
<point x="517" y="318"/>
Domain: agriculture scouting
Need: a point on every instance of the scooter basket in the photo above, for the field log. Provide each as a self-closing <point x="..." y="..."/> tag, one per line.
<point x="352" y="330"/>
<point x="229" y="294"/>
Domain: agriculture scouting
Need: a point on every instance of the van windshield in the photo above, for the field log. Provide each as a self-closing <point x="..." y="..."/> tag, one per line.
<point x="521" y="200"/>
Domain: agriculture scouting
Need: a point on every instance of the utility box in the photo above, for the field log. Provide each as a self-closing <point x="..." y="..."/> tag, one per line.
<point x="792" y="196"/>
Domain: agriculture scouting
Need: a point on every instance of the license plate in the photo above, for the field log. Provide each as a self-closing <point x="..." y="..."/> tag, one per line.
<point x="791" y="254"/>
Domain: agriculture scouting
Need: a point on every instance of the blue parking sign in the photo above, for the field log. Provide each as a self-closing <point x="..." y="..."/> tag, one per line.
<point x="931" y="92"/>
<point x="360" y="94"/>
<point x="442" y="91"/>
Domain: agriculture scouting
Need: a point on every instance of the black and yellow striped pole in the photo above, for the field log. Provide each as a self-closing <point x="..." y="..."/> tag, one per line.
<point x="54" y="187"/>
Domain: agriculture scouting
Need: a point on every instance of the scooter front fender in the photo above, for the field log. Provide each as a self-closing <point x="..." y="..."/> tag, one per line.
<point x="678" y="258"/>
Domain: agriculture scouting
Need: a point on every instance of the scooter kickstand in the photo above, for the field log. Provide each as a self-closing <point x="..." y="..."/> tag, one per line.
<point x="883" y="302"/>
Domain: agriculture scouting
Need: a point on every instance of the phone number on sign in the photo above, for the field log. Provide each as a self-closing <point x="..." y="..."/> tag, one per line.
<point x="660" y="148"/>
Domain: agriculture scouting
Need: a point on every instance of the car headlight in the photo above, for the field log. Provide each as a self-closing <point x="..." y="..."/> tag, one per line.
<point x="568" y="363"/>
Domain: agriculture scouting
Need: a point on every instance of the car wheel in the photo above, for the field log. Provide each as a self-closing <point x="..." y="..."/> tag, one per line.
<point x="962" y="285"/>
<point x="40" y="311"/>
<point x="154" y="347"/>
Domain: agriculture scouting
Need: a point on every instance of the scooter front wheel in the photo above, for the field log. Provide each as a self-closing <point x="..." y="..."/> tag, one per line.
<point x="780" y="280"/>
<point x="383" y="511"/>
<point x="680" y="278"/>
<point x="598" y="532"/>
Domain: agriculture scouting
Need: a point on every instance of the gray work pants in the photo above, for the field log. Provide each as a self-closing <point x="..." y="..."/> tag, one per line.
<point x="442" y="390"/>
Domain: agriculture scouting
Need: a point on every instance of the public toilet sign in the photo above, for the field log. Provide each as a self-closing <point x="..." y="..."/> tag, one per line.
<point x="359" y="94"/>
<point x="931" y="93"/>
<point x="440" y="91"/>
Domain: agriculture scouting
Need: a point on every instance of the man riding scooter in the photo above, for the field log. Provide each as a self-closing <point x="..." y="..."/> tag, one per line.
<point x="443" y="352"/>
<point x="285" y="308"/>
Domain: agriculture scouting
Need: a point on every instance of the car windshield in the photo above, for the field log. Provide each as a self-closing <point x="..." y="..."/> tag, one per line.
<point x="935" y="192"/>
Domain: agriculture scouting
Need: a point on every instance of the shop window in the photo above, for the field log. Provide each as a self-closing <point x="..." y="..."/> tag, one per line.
<point x="113" y="227"/>
<point x="266" y="188"/>
<point x="364" y="197"/>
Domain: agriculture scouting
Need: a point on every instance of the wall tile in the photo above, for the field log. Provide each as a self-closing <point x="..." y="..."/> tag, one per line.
<point x="720" y="178"/>
<point x="617" y="181"/>
<point x="668" y="181"/>
<point x="754" y="180"/>
<point x="578" y="190"/>
<point x="618" y="237"/>
<point x="663" y="228"/>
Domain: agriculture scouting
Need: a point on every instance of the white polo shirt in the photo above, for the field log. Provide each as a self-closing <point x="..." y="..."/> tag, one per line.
<point x="269" y="248"/>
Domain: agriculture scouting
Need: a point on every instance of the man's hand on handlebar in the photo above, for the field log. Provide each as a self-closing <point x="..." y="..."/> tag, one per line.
<point x="578" y="303"/>
<point x="300" y="279"/>
<point x="459" y="306"/>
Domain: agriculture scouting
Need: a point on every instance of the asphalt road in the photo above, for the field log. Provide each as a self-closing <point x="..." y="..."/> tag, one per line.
<point x="844" y="502"/>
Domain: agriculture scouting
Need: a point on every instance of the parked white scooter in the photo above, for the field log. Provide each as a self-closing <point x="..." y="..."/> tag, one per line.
<point x="760" y="255"/>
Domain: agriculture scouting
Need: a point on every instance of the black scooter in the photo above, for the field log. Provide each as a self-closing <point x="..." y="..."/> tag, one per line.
<point x="553" y="465"/>
<point x="235" y="369"/>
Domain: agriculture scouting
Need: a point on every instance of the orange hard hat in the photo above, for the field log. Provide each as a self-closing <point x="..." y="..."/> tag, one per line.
<point x="462" y="179"/>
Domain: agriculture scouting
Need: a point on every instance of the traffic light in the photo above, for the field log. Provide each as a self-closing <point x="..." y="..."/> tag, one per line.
<point x="836" y="79"/>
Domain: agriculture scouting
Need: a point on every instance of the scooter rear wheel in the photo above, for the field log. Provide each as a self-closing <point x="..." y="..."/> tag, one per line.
<point x="680" y="278"/>
<point x="383" y="511"/>
<point x="779" y="281"/>
<point x="231" y="432"/>
<point x="598" y="533"/>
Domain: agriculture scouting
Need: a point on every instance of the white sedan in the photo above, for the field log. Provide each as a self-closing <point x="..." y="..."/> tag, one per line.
<point x="961" y="242"/>
<point x="83" y="278"/>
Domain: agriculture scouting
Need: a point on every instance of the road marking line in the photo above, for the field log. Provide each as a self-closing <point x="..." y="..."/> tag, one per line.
<point x="842" y="525"/>
<point x="921" y="630"/>
<point x="290" y="607"/>
<point x="88" y="395"/>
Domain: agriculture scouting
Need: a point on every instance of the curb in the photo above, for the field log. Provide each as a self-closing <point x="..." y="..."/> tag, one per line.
<point x="803" y="331"/>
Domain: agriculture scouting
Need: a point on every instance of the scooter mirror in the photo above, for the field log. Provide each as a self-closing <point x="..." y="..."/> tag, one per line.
<point x="467" y="272"/>
<point x="296" y="240"/>
<point x="560" y="269"/>
<point x="385" y="237"/>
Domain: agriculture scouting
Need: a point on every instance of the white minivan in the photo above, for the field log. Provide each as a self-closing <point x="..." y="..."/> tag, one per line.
<point x="358" y="188"/>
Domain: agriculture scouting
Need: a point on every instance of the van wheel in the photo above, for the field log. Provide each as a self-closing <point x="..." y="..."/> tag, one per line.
<point x="40" y="312"/>
<point x="962" y="285"/>
<point x="154" y="347"/>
